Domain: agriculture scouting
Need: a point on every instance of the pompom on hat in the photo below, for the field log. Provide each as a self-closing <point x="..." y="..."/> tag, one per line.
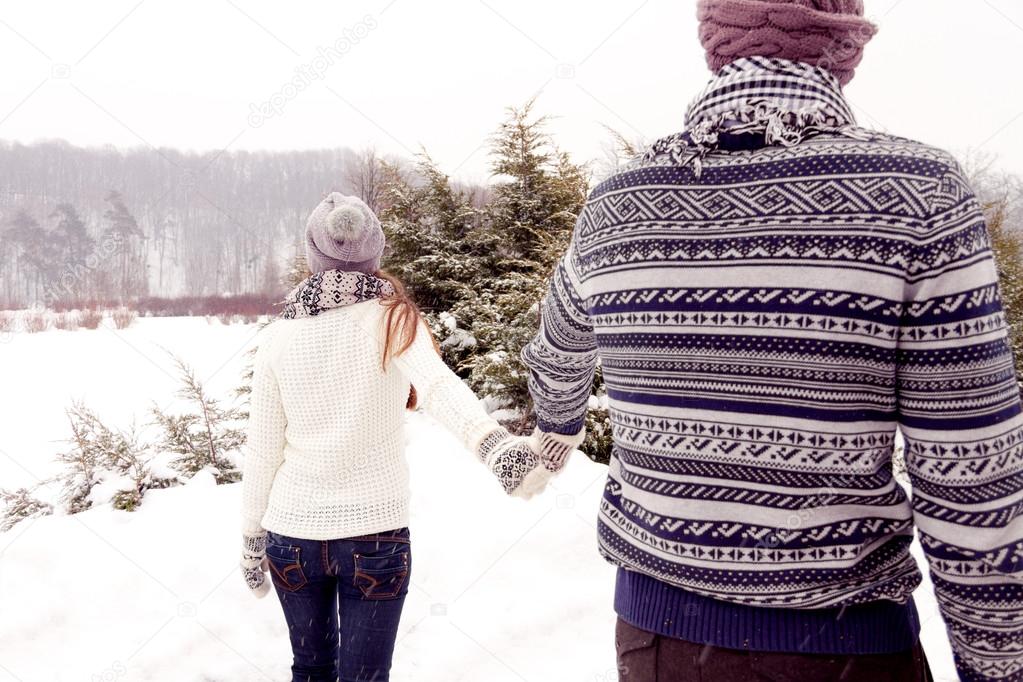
<point x="343" y="233"/>
<point x="830" y="34"/>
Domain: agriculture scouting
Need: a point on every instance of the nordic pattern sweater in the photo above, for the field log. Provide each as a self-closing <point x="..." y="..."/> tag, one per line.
<point x="763" y="330"/>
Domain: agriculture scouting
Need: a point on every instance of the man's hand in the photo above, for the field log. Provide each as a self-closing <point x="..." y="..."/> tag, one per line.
<point x="515" y="461"/>
<point x="254" y="563"/>
<point x="555" y="448"/>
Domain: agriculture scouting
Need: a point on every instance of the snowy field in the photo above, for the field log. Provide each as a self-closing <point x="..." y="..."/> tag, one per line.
<point x="502" y="590"/>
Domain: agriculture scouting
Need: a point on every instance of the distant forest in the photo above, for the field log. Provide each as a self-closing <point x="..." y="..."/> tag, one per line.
<point x="87" y="225"/>
<point x="96" y="227"/>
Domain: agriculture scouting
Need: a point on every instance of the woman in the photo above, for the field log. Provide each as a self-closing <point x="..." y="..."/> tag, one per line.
<point x="325" y="491"/>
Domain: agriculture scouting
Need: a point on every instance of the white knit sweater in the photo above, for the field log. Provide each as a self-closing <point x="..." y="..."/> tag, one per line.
<point x="325" y="453"/>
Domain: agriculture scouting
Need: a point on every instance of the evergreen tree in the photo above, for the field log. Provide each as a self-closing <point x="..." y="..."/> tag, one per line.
<point x="540" y="193"/>
<point x="439" y="249"/>
<point x="37" y="254"/>
<point x="81" y="472"/>
<point x="70" y="229"/>
<point x="131" y="277"/>
<point x="20" y="505"/>
<point x="479" y="263"/>
<point x="433" y="233"/>
<point x="208" y="437"/>
<point x="76" y="245"/>
<point x="99" y="453"/>
<point x="531" y="217"/>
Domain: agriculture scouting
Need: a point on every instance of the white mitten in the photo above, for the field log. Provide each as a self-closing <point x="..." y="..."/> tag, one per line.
<point x="254" y="563"/>
<point x="515" y="461"/>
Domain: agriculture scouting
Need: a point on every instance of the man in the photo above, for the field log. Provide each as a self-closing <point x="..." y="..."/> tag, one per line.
<point x="770" y="295"/>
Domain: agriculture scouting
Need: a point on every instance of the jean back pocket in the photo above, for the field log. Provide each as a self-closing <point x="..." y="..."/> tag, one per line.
<point x="286" y="566"/>
<point x="382" y="575"/>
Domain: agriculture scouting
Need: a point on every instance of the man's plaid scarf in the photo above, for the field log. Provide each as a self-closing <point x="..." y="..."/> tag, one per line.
<point x="783" y="101"/>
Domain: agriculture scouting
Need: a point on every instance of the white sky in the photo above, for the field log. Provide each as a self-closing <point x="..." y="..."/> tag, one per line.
<point x="184" y="73"/>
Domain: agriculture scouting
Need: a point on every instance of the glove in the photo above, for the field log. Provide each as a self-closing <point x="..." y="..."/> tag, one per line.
<point x="254" y="563"/>
<point x="515" y="461"/>
<point x="556" y="447"/>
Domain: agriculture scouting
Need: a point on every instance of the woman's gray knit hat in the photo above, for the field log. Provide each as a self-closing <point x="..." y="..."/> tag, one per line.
<point x="343" y="234"/>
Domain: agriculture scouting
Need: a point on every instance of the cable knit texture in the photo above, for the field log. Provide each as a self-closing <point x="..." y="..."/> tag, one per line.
<point x="827" y="33"/>
<point x="325" y="454"/>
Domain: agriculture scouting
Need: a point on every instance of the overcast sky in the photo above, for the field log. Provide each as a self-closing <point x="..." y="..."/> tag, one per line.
<point x="405" y="74"/>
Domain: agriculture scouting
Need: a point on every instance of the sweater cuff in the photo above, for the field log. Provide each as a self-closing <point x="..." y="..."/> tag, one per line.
<point x="572" y="440"/>
<point x="254" y="544"/>
<point x="479" y="432"/>
<point x="252" y="527"/>
<point x="568" y="429"/>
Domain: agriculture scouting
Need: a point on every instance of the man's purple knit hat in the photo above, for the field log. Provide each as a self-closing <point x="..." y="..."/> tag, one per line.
<point x="827" y="33"/>
<point x="343" y="234"/>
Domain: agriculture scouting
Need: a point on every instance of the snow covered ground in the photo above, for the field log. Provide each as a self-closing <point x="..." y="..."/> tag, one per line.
<point x="119" y="374"/>
<point x="502" y="590"/>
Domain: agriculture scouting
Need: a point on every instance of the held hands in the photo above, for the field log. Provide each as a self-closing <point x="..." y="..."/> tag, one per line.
<point x="516" y="462"/>
<point x="254" y="563"/>
<point x="524" y="466"/>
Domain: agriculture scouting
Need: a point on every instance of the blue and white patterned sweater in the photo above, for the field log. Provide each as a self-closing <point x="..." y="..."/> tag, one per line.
<point x="763" y="330"/>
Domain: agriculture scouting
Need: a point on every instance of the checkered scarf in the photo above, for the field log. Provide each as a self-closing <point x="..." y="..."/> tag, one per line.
<point x="784" y="101"/>
<point x="333" y="289"/>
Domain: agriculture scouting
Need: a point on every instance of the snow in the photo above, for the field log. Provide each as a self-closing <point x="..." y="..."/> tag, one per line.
<point x="455" y="338"/>
<point x="502" y="590"/>
<point x="449" y="321"/>
<point x="117" y="373"/>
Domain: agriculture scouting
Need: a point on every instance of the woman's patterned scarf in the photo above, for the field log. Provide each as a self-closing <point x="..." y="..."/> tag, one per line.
<point x="333" y="289"/>
<point x="785" y="102"/>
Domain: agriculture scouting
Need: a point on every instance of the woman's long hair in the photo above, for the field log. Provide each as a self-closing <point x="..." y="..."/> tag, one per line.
<point x="401" y="324"/>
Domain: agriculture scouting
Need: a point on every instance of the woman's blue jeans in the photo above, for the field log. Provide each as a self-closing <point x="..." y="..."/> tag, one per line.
<point x="342" y="600"/>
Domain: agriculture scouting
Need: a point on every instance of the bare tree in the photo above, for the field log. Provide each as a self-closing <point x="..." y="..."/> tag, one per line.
<point x="618" y="151"/>
<point x="364" y="177"/>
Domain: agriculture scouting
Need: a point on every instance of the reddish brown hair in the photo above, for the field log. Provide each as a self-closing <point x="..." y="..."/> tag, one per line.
<point x="401" y="324"/>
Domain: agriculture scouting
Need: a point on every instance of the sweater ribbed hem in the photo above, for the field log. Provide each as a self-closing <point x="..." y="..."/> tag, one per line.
<point x="881" y="627"/>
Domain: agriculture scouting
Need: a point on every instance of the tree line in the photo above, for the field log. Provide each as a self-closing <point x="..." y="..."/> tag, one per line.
<point x="85" y="225"/>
